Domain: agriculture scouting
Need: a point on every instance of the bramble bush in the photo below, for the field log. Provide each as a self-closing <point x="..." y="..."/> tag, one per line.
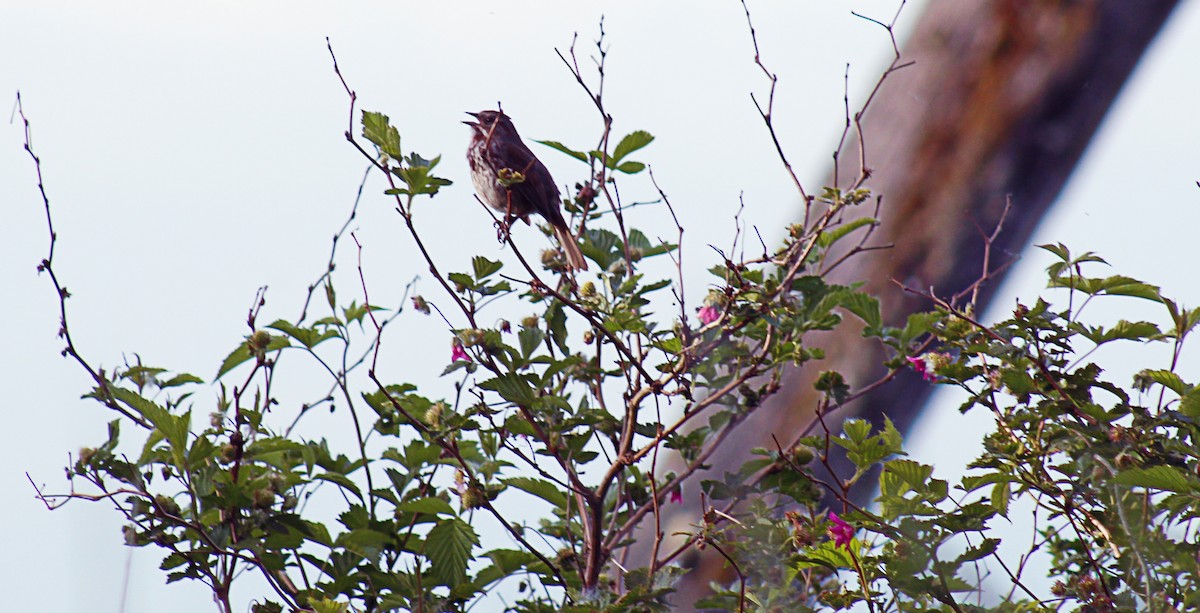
<point x="586" y="404"/>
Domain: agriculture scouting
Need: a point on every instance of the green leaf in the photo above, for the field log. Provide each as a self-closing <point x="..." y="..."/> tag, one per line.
<point x="341" y="480"/>
<point x="174" y="428"/>
<point x="602" y="246"/>
<point x="1133" y="330"/>
<point x="865" y="306"/>
<point x="448" y="546"/>
<point x="180" y="379"/>
<point x="378" y="130"/>
<point x="428" y="505"/>
<point x="242" y="353"/>
<point x="530" y="339"/>
<point x="417" y="174"/>
<point x="1190" y="403"/>
<point x="857" y="430"/>
<point x="1116" y="285"/>
<point x="1166" y="478"/>
<point x="363" y="541"/>
<point x="553" y="144"/>
<point x="910" y="473"/>
<point x="556" y="324"/>
<point x="828" y="555"/>
<point x="1185" y="319"/>
<point x="463" y="279"/>
<point x="236" y="357"/>
<point x="630" y="168"/>
<point x="309" y="337"/>
<point x="1136" y="290"/>
<point x="484" y="267"/>
<point x="916" y="325"/>
<point x="504" y="563"/>
<point x="832" y="236"/>
<point x="541" y="488"/>
<point x="631" y="142"/>
<point x="1059" y="250"/>
<point x="983" y="550"/>
<point x="327" y="605"/>
<point x="1001" y="495"/>
<point x="515" y="388"/>
<point x="1144" y="379"/>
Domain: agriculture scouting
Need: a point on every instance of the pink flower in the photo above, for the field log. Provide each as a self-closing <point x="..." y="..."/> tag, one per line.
<point x="676" y="496"/>
<point x="841" y="531"/>
<point x="457" y="352"/>
<point x="708" y="314"/>
<point x="923" y="366"/>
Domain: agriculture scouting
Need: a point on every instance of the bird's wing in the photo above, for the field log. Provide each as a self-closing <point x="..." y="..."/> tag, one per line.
<point x="537" y="193"/>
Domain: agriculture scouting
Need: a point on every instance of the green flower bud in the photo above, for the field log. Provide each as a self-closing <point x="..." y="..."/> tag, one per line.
<point x="802" y="455"/>
<point x="263" y="498"/>
<point x="472" y="498"/>
<point x="433" y="415"/>
<point x="165" y="505"/>
<point x="259" y="341"/>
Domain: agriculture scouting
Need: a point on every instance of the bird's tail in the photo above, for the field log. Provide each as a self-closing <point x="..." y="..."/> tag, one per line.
<point x="570" y="247"/>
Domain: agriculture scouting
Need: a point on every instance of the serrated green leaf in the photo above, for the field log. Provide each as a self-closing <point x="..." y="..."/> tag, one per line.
<point x="602" y="246"/>
<point x="541" y="488"/>
<point x="556" y="324"/>
<point x="378" y="130"/>
<point x="553" y="144"/>
<point x="174" y="428"/>
<point x="1122" y="330"/>
<point x="1190" y="403"/>
<point x="1059" y="250"/>
<point x="428" y="505"/>
<point x="865" y="306"/>
<point x="1116" y="285"/>
<point x="857" y="430"/>
<point x="364" y="541"/>
<point x="909" y="472"/>
<point x="530" y="339"/>
<point x="341" y="480"/>
<point x="1165" y="378"/>
<point x="180" y="379"/>
<point x="515" y="388"/>
<point x="504" y="563"/>
<point x="1167" y="478"/>
<point x="828" y="555"/>
<point x="631" y="142"/>
<point x="328" y="605"/>
<point x="1001" y="495"/>
<point x="980" y="551"/>
<point x="484" y="267"/>
<point x="309" y="337"/>
<point x="242" y="353"/>
<point x="448" y="547"/>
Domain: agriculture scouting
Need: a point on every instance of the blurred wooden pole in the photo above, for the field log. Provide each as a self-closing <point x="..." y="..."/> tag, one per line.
<point x="1003" y="99"/>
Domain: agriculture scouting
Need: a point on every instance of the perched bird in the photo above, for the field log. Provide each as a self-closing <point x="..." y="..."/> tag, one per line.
<point x="509" y="178"/>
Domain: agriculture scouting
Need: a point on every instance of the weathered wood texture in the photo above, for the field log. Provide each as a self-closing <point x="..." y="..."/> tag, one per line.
<point x="1003" y="99"/>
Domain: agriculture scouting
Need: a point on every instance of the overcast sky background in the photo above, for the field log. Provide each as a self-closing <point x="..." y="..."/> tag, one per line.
<point x="193" y="154"/>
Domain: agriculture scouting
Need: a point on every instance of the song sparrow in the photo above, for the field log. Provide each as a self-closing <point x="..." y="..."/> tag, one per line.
<point x="497" y="152"/>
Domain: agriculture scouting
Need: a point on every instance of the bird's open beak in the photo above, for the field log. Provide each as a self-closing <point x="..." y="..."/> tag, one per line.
<point x="475" y="123"/>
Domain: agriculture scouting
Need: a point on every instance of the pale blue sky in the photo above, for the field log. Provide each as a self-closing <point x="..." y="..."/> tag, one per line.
<point x="195" y="153"/>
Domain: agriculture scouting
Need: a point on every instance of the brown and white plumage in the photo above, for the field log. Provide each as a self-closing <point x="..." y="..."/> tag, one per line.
<point x="495" y="146"/>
